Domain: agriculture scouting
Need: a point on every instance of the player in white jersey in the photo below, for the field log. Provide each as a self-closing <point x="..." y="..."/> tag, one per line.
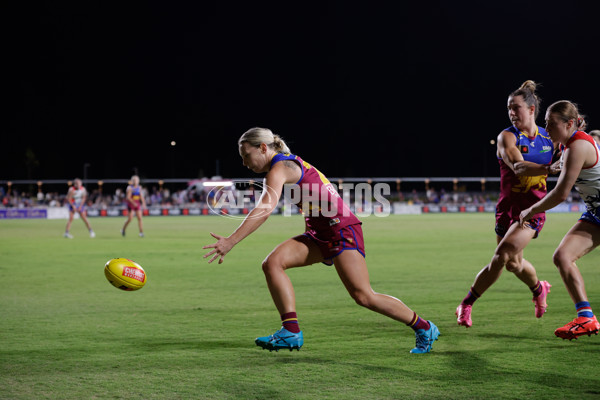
<point x="580" y="167"/>
<point x="76" y="197"/>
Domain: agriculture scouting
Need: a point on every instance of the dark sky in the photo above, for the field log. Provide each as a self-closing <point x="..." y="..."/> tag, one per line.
<point x="355" y="88"/>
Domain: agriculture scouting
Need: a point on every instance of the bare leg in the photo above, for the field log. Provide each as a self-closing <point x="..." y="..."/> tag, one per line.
<point x="127" y="221"/>
<point x="582" y="238"/>
<point x="83" y="216"/>
<point x="352" y="269"/>
<point x="70" y="221"/>
<point x="296" y="252"/>
<point x="139" y="218"/>
<point x="509" y="254"/>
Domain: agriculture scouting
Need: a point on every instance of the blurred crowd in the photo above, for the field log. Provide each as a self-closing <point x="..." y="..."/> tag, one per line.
<point x="163" y="197"/>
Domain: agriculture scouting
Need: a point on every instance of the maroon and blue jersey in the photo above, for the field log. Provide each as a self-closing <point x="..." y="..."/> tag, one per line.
<point x="323" y="208"/>
<point x="136" y="196"/>
<point x="518" y="193"/>
<point x="135" y="193"/>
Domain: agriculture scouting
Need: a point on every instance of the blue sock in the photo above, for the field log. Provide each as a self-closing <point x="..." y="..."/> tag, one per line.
<point x="584" y="309"/>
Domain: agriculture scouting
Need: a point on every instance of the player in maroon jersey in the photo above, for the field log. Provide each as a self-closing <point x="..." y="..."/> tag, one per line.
<point x="524" y="154"/>
<point x="333" y="235"/>
<point x="135" y="203"/>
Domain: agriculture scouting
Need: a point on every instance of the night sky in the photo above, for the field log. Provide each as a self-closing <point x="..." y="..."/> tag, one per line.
<point x="356" y="88"/>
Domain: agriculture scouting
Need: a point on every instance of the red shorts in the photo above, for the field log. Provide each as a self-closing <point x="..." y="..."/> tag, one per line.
<point x="505" y="221"/>
<point x="133" y="206"/>
<point x="346" y="238"/>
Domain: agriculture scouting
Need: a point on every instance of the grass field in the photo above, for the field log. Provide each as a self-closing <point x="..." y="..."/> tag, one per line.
<point x="66" y="333"/>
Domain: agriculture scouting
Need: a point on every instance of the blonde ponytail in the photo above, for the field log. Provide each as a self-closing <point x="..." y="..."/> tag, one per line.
<point x="256" y="136"/>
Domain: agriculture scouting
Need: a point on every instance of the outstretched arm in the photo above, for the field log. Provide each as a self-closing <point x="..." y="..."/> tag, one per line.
<point x="267" y="202"/>
<point x="574" y="160"/>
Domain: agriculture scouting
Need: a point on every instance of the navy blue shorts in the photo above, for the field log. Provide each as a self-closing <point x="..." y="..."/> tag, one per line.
<point x="80" y="208"/>
<point x="589" y="217"/>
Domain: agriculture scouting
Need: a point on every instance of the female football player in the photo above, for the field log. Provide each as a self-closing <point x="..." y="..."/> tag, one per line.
<point x="135" y="203"/>
<point x="580" y="167"/>
<point x="76" y="197"/>
<point x="332" y="237"/>
<point x="524" y="153"/>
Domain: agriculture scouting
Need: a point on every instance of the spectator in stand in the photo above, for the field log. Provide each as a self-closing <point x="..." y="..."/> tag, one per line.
<point x="118" y="197"/>
<point x="155" y="198"/>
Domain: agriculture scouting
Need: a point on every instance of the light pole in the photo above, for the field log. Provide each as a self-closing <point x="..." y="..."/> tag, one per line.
<point x="85" y="168"/>
<point x="173" y="144"/>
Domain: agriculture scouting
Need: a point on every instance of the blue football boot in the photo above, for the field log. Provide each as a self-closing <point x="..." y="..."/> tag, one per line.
<point x="282" y="339"/>
<point x="425" y="339"/>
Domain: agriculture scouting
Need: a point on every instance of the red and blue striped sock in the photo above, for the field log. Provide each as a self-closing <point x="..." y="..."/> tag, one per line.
<point x="418" y="323"/>
<point x="290" y="322"/>
<point x="584" y="309"/>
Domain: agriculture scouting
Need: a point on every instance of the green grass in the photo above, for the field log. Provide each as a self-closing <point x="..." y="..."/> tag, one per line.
<point x="66" y="333"/>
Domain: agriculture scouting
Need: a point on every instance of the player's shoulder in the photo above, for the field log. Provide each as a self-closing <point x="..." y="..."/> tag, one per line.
<point x="581" y="137"/>
<point x="287" y="169"/>
<point x="286" y="163"/>
<point x="508" y="134"/>
<point x="580" y="140"/>
<point x="511" y="130"/>
<point x="286" y="159"/>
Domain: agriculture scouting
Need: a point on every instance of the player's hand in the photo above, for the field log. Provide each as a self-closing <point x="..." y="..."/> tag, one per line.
<point x="220" y="248"/>
<point x="555" y="168"/>
<point x="524" y="217"/>
<point x="520" y="167"/>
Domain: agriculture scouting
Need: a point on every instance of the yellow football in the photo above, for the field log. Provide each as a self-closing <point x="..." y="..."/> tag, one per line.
<point x="125" y="274"/>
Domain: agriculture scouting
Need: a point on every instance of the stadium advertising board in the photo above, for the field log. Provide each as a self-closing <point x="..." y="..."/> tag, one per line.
<point x="21" y="213"/>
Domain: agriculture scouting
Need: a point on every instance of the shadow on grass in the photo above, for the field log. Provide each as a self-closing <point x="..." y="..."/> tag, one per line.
<point x="509" y="336"/>
<point x="193" y="344"/>
<point x="470" y="366"/>
<point x="568" y="383"/>
<point x="465" y="362"/>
